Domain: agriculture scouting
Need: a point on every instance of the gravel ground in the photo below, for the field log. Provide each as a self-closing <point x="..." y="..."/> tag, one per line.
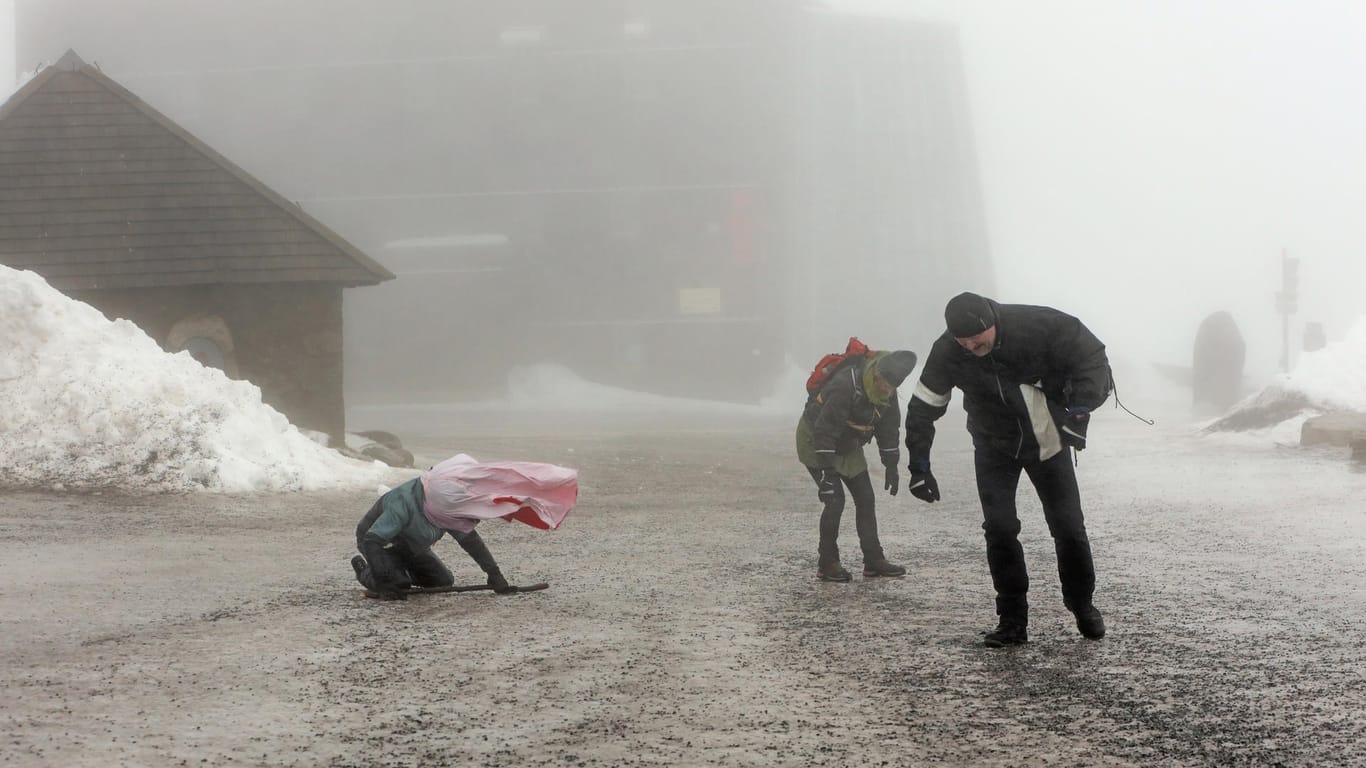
<point x="684" y="625"/>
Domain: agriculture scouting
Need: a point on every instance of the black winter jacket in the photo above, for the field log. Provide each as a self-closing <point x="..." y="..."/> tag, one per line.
<point x="1044" y="361"/>
<point x="843" y="419"/>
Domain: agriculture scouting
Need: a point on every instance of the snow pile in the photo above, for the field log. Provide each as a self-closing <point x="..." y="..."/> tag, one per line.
<point x="89" y="403"/>
<point x="1332" y="379"/>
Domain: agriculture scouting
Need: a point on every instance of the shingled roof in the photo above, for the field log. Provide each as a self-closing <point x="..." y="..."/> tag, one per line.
<point x="100" y="190"/>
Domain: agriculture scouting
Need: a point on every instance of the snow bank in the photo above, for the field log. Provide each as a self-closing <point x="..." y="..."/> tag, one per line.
<point x="89" y="403"/>
<point x="1331" y="379"/>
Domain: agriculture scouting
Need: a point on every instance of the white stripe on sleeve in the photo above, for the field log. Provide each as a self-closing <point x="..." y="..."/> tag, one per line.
<point x="930" y="397"/>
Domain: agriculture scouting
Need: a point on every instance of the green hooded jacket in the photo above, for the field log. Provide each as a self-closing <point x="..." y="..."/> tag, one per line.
<point x="843" y="417"/>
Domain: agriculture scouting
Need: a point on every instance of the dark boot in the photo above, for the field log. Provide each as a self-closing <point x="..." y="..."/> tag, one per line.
<point x="380" y="571"/>
<point x="832" y="571"/>
<point x="880" y="567"/>
<point x="1006" y="633"/>
<point x="1089" y="622"/>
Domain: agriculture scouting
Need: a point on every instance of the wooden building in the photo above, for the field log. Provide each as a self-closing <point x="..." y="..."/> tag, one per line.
<point x="117" y="206"/>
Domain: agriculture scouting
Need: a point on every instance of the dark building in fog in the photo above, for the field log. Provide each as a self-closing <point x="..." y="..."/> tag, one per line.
<point x="117" y="206"/>
<point x="669" y="195"/>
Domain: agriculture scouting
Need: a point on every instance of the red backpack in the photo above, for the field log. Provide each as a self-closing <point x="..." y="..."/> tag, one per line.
<point x="833" y="362"/>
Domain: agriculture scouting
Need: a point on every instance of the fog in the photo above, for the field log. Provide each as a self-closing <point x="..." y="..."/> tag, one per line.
<point x="1138" y="164"/>
<point x="617" y="250"/>
<point x="1147" y="163"/>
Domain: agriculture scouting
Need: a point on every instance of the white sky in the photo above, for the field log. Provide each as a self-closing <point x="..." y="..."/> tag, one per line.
<point x="89" y="403"/>
<point x="1145" y="161"/>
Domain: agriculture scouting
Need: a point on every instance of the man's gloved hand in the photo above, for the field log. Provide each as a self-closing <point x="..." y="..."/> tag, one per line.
<point x="891" y="481"/>
<point x="499" y="584"/>
<point x="1072" y="426"/>
<point x="922" y="484"/>
<point x="828" y="484"/>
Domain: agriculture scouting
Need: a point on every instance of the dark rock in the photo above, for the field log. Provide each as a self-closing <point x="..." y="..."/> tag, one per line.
<point x="1344" y="428"/>
<point x="386" y="439"/>
<point x="1269" y="408"/>
<point x="394" y="457"/>
<point x="350" y="453"/>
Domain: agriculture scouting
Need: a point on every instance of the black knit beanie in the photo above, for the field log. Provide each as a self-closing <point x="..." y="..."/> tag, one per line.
<point x="896" y="366"/>
<point x="967" y="315"/>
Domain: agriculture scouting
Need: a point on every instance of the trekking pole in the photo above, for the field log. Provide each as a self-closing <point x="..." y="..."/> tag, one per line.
<point x="537" y="587"/>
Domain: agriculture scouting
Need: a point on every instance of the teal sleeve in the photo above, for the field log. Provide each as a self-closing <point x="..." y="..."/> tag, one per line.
<point x="397" y="512"/>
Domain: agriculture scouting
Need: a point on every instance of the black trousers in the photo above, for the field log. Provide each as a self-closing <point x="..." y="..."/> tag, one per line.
<point x="998" y="478"/>
<point x="865" y="519"/>
<point x="398" y="565"/>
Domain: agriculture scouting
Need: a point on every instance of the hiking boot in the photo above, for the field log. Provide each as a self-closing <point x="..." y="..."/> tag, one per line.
<point x="833" y="572"/>
<point x="1089" y="622"/>
<point x="358" y="565"/>
<point x="881" y="567"/>
<point x="1006" y="633"/>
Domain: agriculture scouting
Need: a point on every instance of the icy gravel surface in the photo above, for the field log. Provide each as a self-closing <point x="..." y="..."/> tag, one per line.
<point x="683" y="625"/>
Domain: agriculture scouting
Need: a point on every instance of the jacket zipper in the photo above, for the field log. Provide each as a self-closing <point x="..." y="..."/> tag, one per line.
<point x="1019" y="445"/>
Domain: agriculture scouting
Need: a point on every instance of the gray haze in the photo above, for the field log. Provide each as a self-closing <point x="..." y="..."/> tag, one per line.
<point x="7" y="63"/>
<point x="1139" y="164"/>
<point x="1145" y="163"/>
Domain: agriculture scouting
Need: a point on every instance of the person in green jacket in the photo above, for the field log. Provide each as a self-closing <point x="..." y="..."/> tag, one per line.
<point x="395" y="539"/>
<point x="855" y="405"/>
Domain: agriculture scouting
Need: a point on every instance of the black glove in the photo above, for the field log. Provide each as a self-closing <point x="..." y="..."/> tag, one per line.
<point x="922" y="484"/>
<point x="1072" y="426"/>
<point x="891" y="481"/>
<point x="828" y="484"/>
<point x="499" y="584"/>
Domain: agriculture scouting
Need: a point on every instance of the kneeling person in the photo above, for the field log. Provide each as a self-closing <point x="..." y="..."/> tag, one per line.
<point x="395" y="537"/>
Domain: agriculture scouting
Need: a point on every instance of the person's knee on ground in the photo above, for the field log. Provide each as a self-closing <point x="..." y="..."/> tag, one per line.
<point x="427" y="570"/>
<point x="385" y="571"/>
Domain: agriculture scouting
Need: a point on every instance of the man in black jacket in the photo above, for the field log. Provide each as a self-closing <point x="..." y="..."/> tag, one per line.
<point x="1030" y="378"/>
<point x="854" y="406"/>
